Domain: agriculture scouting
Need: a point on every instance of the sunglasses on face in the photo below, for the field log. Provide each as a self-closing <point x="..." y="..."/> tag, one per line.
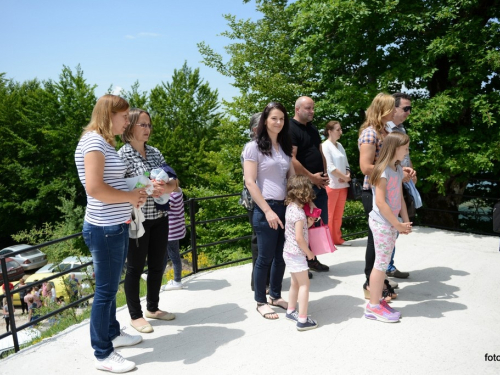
<point x="144" y="126"/>
<point x="407" y="108"/>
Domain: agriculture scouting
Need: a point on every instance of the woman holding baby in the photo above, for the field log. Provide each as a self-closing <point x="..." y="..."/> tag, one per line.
<point x="140" y="157"/>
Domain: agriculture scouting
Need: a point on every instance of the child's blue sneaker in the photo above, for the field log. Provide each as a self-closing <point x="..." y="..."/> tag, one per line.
<point x="309" y="324"/>
<point x="293" y="316"/>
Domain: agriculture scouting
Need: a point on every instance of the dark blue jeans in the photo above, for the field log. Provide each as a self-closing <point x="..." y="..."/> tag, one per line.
<point x="255" y="252"/>
<point x="321" y="201"/>
<point x="173" y="253"/>
<point x="270" y="243"/>
<point x="109" y="246"/>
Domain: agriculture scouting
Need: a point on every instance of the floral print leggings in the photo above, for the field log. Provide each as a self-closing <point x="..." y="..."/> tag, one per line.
<point x="384" y="237"/>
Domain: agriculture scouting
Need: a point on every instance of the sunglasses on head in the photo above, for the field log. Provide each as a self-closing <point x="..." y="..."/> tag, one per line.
<point x="407" y="108"/>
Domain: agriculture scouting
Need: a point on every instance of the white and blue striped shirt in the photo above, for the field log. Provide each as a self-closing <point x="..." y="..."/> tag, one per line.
<point x="97" y="212"/>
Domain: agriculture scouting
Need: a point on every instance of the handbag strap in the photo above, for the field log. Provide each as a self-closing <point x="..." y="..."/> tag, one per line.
<point x="320" y="221"/>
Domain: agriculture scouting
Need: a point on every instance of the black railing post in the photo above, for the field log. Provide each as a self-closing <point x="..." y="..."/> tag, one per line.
<point x="10" y="303"/>
<point x="192" y="224"/>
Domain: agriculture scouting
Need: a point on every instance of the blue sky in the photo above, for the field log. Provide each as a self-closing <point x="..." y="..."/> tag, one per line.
<point x="115" y="42"/>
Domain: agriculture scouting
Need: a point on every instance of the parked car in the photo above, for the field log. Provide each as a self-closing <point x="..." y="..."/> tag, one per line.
<point x="24" y="337"/>
<point x="14" y="270"/>
<point x="61" y="284"/>
<point x="29" y="260"/>
<point x="84" y="275"/>
<point x="15" y="296"/>
<point x="69" y="263"/>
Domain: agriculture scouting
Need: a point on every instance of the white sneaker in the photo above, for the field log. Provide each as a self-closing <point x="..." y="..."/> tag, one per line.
<point x="124" y="339"/>
<point x="144" y="276"/>
<point x="172" y="285"/>
<point x="114" y="363"/>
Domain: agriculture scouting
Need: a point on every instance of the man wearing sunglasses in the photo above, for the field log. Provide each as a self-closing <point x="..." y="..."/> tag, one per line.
<point x="402" y="111"/>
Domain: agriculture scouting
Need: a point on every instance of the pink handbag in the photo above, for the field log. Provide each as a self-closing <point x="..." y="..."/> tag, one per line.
<point x="320" y="240"/>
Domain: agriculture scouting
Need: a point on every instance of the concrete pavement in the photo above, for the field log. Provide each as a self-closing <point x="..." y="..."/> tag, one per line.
<point x="451" y="320"/>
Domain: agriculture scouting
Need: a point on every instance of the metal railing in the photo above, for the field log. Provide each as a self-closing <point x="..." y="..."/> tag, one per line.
<point x="480" y="194"/>
<point x="194" y="247"/>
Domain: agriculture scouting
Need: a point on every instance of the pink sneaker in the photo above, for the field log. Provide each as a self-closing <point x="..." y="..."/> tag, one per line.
<point x="386" y="305"/>
<point x="380" y="312"/>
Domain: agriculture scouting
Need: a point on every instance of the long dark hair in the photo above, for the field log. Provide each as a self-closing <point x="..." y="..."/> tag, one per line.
<point x="263" y="141"/>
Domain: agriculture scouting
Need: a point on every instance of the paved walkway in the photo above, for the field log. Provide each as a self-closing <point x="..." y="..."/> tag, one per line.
<point x="450" y="307"/>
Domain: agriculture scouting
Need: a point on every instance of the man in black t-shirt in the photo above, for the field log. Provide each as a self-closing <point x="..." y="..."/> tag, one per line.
<point x="308" y="161"/>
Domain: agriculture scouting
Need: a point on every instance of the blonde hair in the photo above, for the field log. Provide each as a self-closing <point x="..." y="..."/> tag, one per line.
<point x="100" y="122"/>
<point x="133" y="116"/>
<point x="391" y="142"/>
<point x="299" y="188"/>
<point x="382" y="105"/>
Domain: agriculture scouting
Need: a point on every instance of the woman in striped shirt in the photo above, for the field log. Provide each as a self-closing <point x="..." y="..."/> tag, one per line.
<point x="105" y="228"/>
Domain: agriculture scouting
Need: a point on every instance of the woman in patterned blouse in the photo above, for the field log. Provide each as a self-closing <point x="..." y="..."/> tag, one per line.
<point x="140" y="158"/>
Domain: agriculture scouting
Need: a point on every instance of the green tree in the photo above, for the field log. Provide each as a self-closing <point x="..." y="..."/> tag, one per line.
<point x="446" y="53"/>
<point x="40" y="124"/>
<point x="69" y="222"/>
<point x="135" y="98"/>
<point x="185" y="113"/>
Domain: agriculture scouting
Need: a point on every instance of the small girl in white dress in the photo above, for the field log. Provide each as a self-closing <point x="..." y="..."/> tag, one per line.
<point x="296" y="249"/>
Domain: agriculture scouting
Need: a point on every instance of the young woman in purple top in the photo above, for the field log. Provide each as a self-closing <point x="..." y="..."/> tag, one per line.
<point x="267" y="166"/>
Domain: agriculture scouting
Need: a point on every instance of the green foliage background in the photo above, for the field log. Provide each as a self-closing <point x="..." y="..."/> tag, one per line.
<point x="446" y="53"/>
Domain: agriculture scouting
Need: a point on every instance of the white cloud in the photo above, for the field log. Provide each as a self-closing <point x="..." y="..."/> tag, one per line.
<point x="117" y="90"/>
<point x="129" y="36"/>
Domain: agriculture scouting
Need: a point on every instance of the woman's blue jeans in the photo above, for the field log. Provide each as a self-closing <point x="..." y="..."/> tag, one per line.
<point x="270" y="243"/>
<point x="108" y="246"/>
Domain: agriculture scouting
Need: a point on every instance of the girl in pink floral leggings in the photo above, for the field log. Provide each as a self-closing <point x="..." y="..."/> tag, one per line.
<point x="386" y="180"/>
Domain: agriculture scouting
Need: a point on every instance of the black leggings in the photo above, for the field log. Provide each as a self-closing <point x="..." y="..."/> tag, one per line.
<point x="152" y="244"/>
<point x="367" y="199"/>
<point x="7" y="323"/>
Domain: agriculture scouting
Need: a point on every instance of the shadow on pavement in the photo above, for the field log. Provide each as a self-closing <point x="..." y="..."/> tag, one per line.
<point x="219" y="314"/>
<point x="431" y="309"/>
<point x="336" y="309"/>
<point x="355" y="267"/>
<point x="207" y="284"/>
<point x="190" y="345"/>
<point x="432" y="284"/>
